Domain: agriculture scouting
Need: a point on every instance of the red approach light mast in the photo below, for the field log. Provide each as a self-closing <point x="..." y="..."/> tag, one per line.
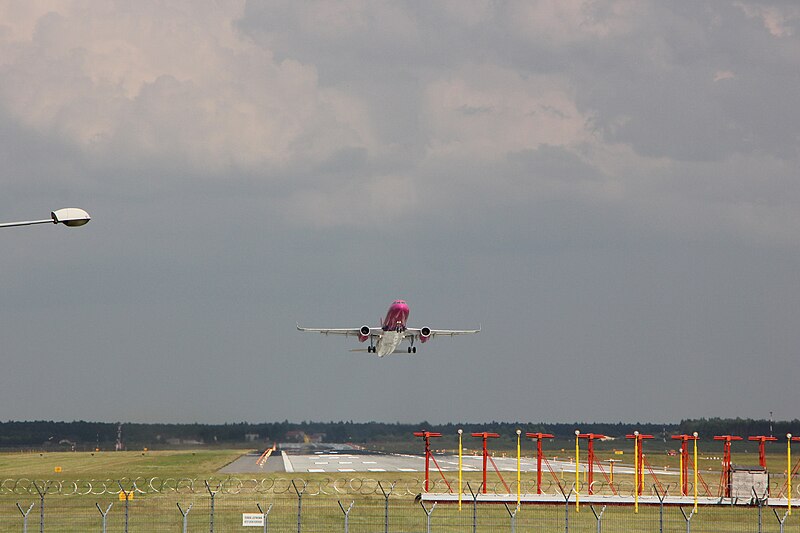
<point x="590" y="438"/>
<point x="726" y="461"/>
<point x="427" y="435"/>
<point x="762" y="455"/>
<point x="539" y="455"/>
<point x="485" y="436"/>
<point x="638" y="438"/>
<point x="684" y="461"/>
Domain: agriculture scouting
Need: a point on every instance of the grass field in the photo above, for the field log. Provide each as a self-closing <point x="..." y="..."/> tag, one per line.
<point x="85" y="480"/>
<point x="115" y="465"/>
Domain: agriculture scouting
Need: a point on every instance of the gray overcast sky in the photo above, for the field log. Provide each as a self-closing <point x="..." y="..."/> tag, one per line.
<point x="609" y="187"/>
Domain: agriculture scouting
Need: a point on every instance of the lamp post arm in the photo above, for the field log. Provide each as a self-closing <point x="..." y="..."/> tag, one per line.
<point x="27" y="223"/>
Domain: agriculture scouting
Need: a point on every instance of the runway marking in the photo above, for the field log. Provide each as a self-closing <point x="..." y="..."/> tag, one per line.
<point x="346" y="470"/>
<point x="369" y="462"/>
<point x="376" y="469"/>
<point x="345" y="462"/>
<point x="408" y="470"/>
<point x="316" y="470"/>
<point x="320" y="462"/>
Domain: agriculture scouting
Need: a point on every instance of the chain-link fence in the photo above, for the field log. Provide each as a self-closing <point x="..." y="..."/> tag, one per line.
<point x="334" y="505"/>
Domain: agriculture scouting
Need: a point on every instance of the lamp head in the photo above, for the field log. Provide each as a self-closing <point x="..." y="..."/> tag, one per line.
<point x="70" y="216"/>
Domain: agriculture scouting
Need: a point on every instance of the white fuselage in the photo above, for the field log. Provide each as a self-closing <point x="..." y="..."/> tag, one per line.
<point x="388" y="342"/>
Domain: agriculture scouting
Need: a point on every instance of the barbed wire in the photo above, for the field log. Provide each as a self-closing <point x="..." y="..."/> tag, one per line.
<point x="329" y="486"/>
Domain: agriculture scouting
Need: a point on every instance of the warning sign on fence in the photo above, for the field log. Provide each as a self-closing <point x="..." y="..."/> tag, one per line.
<point x="252" y="519"/>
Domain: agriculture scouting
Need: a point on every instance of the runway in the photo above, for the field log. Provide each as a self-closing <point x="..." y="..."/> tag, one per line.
<point x="344" y="458"/>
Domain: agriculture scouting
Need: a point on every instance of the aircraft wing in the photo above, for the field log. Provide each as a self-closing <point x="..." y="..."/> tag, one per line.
<point x="347" y="332"/>
<point x="445" y="332"/>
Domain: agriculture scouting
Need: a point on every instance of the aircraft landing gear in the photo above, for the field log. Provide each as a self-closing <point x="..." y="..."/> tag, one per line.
<point x="412" y="349"/>
<point x="370" y="349"/>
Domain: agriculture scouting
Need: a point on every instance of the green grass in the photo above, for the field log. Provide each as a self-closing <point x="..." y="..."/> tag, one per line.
<point x="115" y="465"/>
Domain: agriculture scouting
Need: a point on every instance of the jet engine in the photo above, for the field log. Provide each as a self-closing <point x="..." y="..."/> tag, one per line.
<point x="363" y="333"/>
<point x="424" y="333"/>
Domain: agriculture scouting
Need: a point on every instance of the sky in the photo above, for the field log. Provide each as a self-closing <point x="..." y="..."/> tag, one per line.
<point x="609" y="188"/>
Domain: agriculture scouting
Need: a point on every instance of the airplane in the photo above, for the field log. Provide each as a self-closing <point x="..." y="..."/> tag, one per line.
<point x="386" y="338"/>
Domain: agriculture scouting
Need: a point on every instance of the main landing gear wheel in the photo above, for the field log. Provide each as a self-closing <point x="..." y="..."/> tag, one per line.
<point x="370" y="349"/>
<point x="412" y="349"/>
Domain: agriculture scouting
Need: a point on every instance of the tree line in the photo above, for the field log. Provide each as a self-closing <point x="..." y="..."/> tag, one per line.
<point x="82" y="435"/>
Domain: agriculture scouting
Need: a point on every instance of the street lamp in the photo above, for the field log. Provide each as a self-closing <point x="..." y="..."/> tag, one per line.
<point x="69" y="216"/>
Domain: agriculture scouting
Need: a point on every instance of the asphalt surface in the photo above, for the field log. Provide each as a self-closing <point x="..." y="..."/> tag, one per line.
<point x="342" y="458"/>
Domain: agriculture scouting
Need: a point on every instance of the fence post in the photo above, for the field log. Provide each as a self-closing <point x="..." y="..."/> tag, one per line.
<point x="428" y="514"/>
<point x="513" y="517"/>
<point x="346" y="514"/>
<point x="598" y="517"/>
<point x="127" y="501"/>
<point x="660" y="508"/>
<point x="213" y="494"/>
<point x="760" y="502"/>
<point x="688" y="519"/>
<point x="299" y="502"/>
<point x="266" y="515"/>
<point x="184" y="514"/>
<point x="41" y="492"/>
<point x="781" y="520"/>
<point x="104" y="514"/>
<point x="474" y="506"/>
<point x="386" y="505"/>
<point x="566" y="507"/>
<point x="25" y="517"/>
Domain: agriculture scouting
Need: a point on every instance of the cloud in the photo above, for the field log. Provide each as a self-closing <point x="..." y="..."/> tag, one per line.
<point x="565" y="22"/>
<point x="487" y="112"/>
<point x="724" y="75"/>
<point x="142" y="81"/>
<point x="779" y="21"/>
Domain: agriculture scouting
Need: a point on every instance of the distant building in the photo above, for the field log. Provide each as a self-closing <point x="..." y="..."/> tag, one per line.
<point x="177" y="442"/>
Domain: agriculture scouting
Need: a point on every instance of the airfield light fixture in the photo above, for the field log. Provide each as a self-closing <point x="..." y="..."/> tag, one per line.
<point x="590" y="460"/>
<point x="577" y="471"/>
<point x="539" y="456"/>
<point x="789" y="473"/>
<point x="426" y="435"/>
<point x="638" y="466"/>
<point x="519" y="466"/>
<point x="695" y="435"/>
<point x="460" y="466"/>
<point x="485" y="435"/>
<point x="69" y="216"/>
